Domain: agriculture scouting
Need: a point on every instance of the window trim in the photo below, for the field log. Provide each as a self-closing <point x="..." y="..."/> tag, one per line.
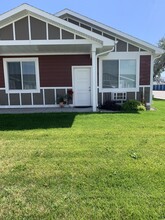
<point x="28" y="59"/>
<point x="119" y="56"/>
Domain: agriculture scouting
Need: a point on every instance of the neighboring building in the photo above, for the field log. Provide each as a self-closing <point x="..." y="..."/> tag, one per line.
<point x="159" y="82"/>
<point x="163" y="76"/>
<point x="43" y="56"/>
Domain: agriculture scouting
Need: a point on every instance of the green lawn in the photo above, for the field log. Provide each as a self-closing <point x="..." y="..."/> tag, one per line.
<point x="83" y="166"/>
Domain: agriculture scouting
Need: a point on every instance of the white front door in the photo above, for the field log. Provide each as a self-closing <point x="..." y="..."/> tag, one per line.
<point x="82" y="86"/>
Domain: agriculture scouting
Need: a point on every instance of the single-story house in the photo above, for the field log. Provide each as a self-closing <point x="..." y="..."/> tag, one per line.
<point x="45" y="56"/>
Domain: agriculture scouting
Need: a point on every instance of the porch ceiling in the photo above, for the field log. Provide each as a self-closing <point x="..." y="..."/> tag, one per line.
<point x="44" y="49"/>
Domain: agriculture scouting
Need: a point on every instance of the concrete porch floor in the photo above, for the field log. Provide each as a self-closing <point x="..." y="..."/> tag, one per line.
<point x="43" y="110"/>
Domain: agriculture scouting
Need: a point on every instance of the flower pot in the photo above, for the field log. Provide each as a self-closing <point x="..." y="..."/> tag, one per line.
<point x="61" y="104"/>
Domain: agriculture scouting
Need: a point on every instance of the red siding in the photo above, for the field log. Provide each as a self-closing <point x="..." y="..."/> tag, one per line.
<point x="2" y="84"/>
<point x="145" y="69"/>
<point x="57" y="70"/>
<point x="54" y="70"/>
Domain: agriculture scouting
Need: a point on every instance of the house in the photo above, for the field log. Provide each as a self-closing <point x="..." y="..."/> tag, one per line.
<point x="44" y="56"/>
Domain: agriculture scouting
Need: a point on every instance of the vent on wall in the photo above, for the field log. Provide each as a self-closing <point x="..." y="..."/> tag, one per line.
<point x="119" y="96"/>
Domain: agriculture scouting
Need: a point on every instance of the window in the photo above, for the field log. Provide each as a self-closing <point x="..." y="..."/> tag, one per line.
<point x="110" y="73"/>
<point x="127" y="73"/>
<point x="119" y="73"/>
<point x="21" y="74"/>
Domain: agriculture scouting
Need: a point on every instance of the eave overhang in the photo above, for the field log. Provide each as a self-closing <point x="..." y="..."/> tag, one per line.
<point x="147" y="46"/>
<point x="13" y="48"/>
<point x="46" y="46"/>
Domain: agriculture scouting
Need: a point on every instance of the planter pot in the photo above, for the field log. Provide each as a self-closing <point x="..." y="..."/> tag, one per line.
<point x="61" y="104"/>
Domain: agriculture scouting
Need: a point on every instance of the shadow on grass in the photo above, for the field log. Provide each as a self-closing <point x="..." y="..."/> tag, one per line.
<point x="103" y="111"/>
<point x="10" y="122"/>
<point x="157" y="100"/>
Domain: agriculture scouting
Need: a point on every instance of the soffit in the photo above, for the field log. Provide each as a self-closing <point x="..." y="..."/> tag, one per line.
<point x="44" y="49"/>
<point x="50" y="49"/>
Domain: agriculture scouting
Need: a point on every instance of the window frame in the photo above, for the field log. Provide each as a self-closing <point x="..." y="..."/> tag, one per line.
<point x="6" y="77"/>
<point x="119" y="56"/>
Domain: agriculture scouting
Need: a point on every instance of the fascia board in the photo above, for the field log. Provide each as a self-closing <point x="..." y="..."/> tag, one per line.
<point x="60" y="22"/>
<point x="151" y="47"/>
<point x="12" y="12"/>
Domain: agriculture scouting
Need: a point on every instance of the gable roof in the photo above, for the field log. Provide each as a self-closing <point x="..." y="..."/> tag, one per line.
<point x="117" y="33"/>
<point x="26" y="9"/>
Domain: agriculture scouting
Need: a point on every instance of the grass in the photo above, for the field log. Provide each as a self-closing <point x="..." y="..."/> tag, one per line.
<point x="83" y="166"/>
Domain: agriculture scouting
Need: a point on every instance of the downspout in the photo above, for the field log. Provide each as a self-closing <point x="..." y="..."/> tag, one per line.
<point x="98" y="55"/>
<point x="151" y="79"/>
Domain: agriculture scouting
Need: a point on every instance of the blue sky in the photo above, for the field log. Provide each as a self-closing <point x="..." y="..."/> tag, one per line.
<point x="143" y="19"/>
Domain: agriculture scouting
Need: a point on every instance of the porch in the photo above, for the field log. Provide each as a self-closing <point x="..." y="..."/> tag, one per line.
<point x="44" y="110"/>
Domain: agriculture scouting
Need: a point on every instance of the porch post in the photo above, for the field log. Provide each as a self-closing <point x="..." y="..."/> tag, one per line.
<point x="151" y="79"/>
<point x="94" y="75"/>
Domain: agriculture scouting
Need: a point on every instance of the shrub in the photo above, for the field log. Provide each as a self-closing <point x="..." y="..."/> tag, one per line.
<point x="111" y="105"/>
<point x="141" y="107"/>
<point x="133" y="106"/>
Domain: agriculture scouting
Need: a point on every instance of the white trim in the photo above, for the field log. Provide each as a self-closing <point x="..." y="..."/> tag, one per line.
<point x="144" y="86"/>
<point x="15" y="59"/>
<point x="60" y="87"/>
<point x="32" y="106"/>
<point x="47" y="32"/>
<point x="29" y="28"/>
<point x="20" y="99"/>
<point x="55" y="94"/>
<point x="8" y="99"/>
<point x="43" y="95"/>
<point x="60" y="34"/>
<point x="21" y="73"/>
<point x="14" y="34"/>
<point x="44" y="42"/>
<point x="32" y="98"/>
<point x="151" y="78"/>
<point x="119" y="90"/>
<point x="40" y="54"/>
<point x="94" y="80"/>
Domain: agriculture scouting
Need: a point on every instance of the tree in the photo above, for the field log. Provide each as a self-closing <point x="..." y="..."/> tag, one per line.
<point x="159" y="65"/>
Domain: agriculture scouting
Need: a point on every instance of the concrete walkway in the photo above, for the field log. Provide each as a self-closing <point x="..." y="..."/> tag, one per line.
<point x="159" y="94"/>
<point x="43" y="110"/>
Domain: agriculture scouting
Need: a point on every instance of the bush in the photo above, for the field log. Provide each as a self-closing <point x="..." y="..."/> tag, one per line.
<point x="133" y="106"/>
<point x="111" y="105"/>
